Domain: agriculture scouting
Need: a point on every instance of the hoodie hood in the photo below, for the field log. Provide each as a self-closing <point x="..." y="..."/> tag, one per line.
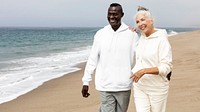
<point x="120" y="29"/>
<point x="158" y="33"/>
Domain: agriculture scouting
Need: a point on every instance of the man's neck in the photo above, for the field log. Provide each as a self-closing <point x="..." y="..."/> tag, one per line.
<point x="115" y="28"/>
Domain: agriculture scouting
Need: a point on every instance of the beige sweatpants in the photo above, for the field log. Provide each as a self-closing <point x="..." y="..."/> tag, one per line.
<point x="150" y="99"/>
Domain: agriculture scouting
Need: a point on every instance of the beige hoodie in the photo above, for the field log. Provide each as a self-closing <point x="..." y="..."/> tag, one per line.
<point x="154" y="51"/>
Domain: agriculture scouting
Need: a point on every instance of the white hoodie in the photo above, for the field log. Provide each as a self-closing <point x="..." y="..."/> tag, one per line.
<point x="112" y="56"/>
<point x="154" y="51"/>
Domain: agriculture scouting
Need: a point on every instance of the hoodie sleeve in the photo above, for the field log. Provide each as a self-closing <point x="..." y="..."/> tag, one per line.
<point x="135" y="44"/>
<point x="92" y="61"/>
<point x="165" y="57"/>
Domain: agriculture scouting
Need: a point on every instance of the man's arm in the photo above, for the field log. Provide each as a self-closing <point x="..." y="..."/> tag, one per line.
<point x="90" y="67"/>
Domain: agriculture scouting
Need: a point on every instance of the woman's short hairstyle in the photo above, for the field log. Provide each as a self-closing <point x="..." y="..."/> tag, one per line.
<point x="146" y="13"/>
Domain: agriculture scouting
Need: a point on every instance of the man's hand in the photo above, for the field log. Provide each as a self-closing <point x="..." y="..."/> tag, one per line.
<point x="85" y="90"/>
<point x="133" y="29"/>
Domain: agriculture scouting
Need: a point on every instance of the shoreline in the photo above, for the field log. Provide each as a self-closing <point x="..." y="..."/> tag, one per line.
<point x="49" y="88"/>
<point x="74" y="67"/>
<point x="63" y="94"/>
<point x="26" y="82"/>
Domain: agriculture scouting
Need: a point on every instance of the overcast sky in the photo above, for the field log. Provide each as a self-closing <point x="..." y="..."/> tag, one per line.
<point x="92" y="13"/>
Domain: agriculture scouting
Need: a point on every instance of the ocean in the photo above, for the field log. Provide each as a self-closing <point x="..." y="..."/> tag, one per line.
<point x="30" y="56"/>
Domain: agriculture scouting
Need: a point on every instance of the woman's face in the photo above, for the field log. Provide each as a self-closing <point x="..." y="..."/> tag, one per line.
<point x="145" y="24"/>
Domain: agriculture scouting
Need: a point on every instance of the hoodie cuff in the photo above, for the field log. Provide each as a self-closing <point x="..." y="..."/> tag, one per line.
<point x="162" y="71"/>
<point x="86" y="83"/>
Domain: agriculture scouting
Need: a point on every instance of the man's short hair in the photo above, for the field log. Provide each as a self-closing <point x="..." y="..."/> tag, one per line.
<point x="116" y="5"/>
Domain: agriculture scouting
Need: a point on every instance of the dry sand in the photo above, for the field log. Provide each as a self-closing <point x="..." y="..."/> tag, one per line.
<point x="64" y="94"/>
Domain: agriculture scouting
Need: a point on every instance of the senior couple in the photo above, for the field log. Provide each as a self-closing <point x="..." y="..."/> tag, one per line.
<point x="122" y="59"/>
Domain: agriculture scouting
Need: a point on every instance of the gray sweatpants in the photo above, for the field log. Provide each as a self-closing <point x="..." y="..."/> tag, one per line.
<point x="114" y="101"/>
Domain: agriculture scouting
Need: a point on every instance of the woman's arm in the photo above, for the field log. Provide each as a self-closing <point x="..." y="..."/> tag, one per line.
<point x="137" y="75"/>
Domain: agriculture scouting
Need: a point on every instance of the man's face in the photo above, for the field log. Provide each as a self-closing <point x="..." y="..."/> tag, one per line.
<point x="114" y="17"/>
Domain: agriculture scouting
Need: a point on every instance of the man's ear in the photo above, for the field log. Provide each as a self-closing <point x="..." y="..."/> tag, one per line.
<point x="122" y="14"/>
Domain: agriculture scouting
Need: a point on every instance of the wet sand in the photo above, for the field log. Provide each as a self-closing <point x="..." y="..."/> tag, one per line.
<point x="64" y="94"/>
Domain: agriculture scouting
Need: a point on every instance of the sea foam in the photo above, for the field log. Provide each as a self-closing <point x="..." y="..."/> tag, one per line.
<point x="26" y="74"/>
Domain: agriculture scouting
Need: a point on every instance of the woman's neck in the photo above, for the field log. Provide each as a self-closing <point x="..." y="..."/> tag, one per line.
<point x="151" y="31"/>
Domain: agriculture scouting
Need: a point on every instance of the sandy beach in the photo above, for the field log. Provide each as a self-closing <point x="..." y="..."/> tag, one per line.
<point x="64" y="94"/>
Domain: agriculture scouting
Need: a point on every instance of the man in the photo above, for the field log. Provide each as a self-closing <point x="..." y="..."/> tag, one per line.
<point x="112" y="56"/>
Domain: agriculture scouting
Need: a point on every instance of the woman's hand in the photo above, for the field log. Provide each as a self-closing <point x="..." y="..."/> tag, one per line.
<point x="137" y="75"/>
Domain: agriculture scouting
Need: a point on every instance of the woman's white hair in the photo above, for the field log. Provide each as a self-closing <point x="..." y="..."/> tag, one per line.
<point x="145" y="13"/>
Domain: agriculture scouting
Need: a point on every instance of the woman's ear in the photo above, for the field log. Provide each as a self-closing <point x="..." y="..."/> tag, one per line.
<point x="151" y="22"/>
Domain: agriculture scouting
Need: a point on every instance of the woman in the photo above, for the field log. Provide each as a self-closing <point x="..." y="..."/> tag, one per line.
<point x="153" y="63"/>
